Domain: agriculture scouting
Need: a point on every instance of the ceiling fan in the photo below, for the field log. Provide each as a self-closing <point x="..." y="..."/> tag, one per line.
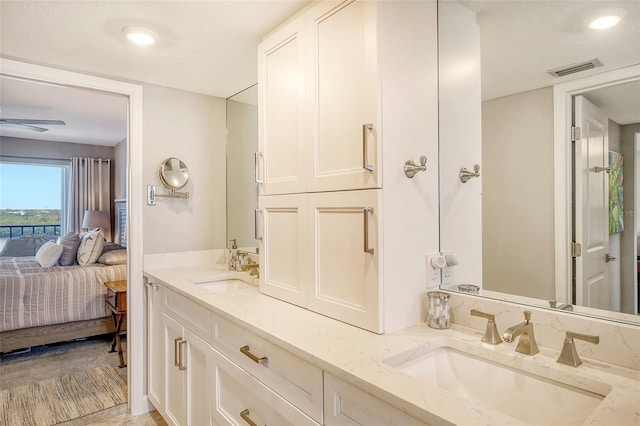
<point x="29" y="124"/>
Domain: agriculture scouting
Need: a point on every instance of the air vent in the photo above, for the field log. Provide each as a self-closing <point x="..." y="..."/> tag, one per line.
<point x="574" y="68"/>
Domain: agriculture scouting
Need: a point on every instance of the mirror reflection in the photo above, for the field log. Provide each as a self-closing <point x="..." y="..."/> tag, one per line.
<point x="242" y="190"/>
<point x="546" y="220"/>
<point x="174" y="173"/>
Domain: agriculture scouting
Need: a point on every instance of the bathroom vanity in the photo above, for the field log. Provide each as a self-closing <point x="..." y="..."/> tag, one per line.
<point x="222" y="353"/>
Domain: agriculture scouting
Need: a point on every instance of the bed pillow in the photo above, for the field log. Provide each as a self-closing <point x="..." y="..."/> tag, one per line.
<point x="113" y="257"/>
<point x="48" y="254"/>
<point x="70" y="244"/>
<point x="109" y="246"/>
<point x="90" y="247"/>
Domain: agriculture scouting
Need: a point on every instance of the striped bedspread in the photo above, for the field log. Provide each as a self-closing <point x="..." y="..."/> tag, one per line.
<point x="32" y="296"/>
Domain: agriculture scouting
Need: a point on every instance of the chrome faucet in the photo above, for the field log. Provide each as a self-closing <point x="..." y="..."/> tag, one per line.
<point x="527" y="342"/>
<point x="491" y="334"/>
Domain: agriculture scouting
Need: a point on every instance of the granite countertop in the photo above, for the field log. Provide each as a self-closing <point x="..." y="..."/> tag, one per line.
<point x="356" y="355"/>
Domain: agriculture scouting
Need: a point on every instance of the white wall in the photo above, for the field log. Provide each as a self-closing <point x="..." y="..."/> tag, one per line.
<point x="517" y="194"/>
<point x="410" y="129"/>
<point x="191" y="127"/>
<point x="460" y="142"/>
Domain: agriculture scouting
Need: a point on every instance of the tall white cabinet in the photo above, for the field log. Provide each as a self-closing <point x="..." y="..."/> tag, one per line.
<point x="324" y="123"/>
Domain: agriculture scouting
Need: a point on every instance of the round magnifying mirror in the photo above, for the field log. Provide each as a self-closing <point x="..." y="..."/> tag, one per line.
<point x="174" y="173"/>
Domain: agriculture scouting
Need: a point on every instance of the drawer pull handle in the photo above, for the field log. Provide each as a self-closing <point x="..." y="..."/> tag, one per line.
<point x="152" y="286"/>
<point x="181" y="366"/>
<point x="245" y="416"/>
<point x="247" y="351"/>
<point x="176" y="351"/>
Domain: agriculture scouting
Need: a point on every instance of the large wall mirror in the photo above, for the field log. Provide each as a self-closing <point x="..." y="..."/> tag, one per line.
<point x="514" y="77"/>
<point x="242" y="189"/>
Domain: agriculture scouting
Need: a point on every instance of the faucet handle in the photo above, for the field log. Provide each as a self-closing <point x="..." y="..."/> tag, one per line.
<point x="527" y="316"/>
<point x="569" y="354"/>
<point x="491" y="334"/>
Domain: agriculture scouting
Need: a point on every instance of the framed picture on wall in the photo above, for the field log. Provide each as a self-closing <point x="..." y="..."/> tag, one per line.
<point x="616" y="195"/>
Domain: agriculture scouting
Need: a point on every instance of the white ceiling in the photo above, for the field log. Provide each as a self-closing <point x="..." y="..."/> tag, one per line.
<point x="209" y="47"/>
<point x="206" y="47"/>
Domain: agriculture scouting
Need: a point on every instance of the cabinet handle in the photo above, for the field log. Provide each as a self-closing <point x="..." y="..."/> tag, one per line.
<point x="245" y="416"/>
<point x="367" y="249"/>
<point x="365" y="147"/>
<point x="176" y="354"/>
<point x="256" y="157"/>
<point x="181" y="366"/>
<point x="152" y="286"/>
<point x="247" y="351"/>
<point x="255" y="223"/>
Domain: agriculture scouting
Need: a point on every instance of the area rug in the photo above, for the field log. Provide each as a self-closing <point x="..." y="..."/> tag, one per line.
<point x="63" y="398"/>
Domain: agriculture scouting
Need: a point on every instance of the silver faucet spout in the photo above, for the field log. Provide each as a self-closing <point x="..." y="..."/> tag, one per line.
<point x="527" y="341"/>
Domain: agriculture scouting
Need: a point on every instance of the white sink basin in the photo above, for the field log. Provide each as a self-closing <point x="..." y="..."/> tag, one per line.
<point x="528" y="397"/>
<point x="228" y="285"/>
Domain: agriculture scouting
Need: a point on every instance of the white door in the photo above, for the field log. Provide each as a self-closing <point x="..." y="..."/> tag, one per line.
<point x="174" y="379"/>
<point x="591" y="192"/>
<point x="283" y="247"/>
<point x="342" y="88"/>
<point x="281" y="158"/>
<point x="343" y="256"/>
<point x="196" y="366"/>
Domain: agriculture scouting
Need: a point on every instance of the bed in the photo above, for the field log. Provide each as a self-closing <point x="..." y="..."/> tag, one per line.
<point x="42" y="305"/>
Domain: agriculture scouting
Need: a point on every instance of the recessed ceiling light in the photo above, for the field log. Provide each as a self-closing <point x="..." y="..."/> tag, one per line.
<point x="139" y="35"/>
<point x="606" y="19"/>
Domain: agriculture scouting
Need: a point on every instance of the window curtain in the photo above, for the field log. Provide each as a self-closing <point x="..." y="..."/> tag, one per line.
<point x="90" y="189"/>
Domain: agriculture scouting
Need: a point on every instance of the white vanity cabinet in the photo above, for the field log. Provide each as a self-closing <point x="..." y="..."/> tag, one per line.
<point x="318" y="101"/>
<point x="321" y="251"/>
<point x="347" y="405"/>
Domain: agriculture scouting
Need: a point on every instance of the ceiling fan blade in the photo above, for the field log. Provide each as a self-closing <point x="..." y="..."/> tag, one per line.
<point x="26" y="127"/>
<point x="26" y="121"/>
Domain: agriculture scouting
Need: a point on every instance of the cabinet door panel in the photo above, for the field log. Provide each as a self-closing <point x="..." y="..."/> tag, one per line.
<point x="344" y="278"/>
<point x="175" y="398"/>
<point x="281" y="99"/>
<point x="235" y="391"/>
<point x="343" y="91"/>
<point x="283" y="247"/>
<point x="199" y="381"/>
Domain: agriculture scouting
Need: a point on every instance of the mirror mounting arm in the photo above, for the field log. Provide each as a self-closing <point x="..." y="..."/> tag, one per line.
<point x="152" y="195"/>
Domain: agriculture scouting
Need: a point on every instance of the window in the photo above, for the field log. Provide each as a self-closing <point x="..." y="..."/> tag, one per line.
<point x="33" y="198"/>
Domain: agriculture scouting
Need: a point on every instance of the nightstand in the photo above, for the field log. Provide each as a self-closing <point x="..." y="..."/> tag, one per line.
<point x="117" y="303"/>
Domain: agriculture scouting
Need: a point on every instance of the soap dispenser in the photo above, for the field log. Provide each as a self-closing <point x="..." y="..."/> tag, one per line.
<point x="233" y="255"/>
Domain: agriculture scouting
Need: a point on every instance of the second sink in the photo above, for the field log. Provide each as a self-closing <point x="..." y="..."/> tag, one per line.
<point x="520" y="394"/>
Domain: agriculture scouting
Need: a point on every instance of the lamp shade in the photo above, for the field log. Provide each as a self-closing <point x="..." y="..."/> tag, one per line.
<point x="96" y="219"/>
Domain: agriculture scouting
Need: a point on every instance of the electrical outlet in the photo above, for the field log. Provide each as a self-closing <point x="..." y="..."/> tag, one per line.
<point x="435" y="261"/>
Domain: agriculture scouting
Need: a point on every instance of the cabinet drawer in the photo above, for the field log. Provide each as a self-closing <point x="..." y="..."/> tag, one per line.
<point x="237" y="393"/>
<point x="190" y="314"/>
<point x="294" y="379"/>
<point x="347" y="405"/>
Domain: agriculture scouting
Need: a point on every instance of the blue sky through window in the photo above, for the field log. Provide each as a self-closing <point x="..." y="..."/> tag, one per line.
<point x="27" y="186"/>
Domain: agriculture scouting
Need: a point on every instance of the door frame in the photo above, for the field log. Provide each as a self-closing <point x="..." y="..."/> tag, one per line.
<point x="138" y="402"/>
<point x="562" y="175"/>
